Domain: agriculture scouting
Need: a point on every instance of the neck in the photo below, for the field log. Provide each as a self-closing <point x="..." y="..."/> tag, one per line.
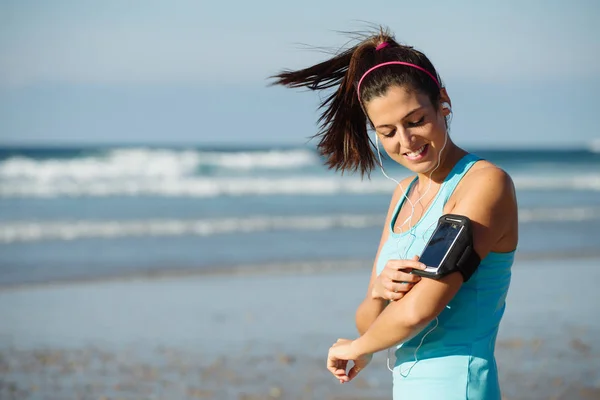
<point x="450" y="156"/>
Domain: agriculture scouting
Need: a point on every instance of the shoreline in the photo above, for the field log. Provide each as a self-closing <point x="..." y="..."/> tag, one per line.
<point x="268" y="268"/>
<point x="258" y="336"/>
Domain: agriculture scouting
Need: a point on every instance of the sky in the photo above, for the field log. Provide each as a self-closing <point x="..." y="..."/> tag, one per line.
<point x="520" y="73"/>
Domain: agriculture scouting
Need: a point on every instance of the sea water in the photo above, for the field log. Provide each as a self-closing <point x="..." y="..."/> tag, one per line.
<point x="86" y="212"/>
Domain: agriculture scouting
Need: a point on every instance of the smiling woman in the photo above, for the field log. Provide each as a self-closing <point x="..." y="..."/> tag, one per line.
<point x="443" y="331"/>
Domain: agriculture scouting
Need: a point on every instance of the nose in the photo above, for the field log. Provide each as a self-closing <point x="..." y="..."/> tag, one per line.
<point x="405" y="139"/>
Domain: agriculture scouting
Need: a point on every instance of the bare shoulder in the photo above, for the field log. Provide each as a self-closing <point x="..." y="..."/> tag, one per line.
<point x="486" y="181"/>
<point x="486" y="195"/>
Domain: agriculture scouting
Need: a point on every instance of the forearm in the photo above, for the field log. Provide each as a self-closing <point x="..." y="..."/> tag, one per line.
<point x="403" y="319"/>
<point x="394" y="325"/>
<point x="367" y="312"/>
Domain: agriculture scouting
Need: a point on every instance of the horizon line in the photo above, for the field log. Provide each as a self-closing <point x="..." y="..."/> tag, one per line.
<point x="589" y="146"/>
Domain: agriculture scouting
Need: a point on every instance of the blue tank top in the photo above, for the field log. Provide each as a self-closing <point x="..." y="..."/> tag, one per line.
<point x="456" y="358"/>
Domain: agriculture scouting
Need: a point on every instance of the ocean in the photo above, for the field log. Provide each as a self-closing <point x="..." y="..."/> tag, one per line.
<point x="69" y="213"/>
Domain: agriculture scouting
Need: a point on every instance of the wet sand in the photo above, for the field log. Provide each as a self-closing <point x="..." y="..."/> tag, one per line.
<point x="265" y="336"/>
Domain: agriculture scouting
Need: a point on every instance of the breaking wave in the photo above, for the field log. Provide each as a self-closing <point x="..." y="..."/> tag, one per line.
<point x="44" y="186"/>
<point x="22" y="231"/>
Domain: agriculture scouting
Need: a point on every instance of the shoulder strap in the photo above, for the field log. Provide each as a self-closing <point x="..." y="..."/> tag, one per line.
<point x="457" y="173"/>
<point x="400" y="203"/>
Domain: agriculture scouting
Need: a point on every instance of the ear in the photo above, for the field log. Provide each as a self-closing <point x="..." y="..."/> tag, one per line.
<point x="446" y="103"/>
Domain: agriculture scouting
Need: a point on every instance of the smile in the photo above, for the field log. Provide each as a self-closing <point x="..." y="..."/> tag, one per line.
<point x="418" y="154"/>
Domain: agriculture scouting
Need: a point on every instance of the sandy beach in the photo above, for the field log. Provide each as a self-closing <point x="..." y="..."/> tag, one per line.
<point x="264" y="335"/>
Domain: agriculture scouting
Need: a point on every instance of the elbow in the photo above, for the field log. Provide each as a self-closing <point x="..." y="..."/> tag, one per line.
<point x="417" y="315"/>
<point x="415" y="318"/>
<point x="420" y="307"/>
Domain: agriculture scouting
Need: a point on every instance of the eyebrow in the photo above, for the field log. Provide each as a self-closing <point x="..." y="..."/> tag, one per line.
<point x="406" y="116"/>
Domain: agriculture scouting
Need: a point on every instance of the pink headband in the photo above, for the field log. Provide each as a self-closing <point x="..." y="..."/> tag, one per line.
<point x="393" y="63"/>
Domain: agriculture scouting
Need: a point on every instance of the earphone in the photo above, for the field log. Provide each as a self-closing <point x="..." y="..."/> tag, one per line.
<point x="445" y="105"/>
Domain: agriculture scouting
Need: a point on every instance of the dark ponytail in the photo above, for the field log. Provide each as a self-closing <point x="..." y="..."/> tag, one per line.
<point x="343" y="123"/>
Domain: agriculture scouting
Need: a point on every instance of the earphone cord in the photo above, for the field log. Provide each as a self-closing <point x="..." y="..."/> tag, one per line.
<point x="413" y="234"/>
<point x="416" y="350"/>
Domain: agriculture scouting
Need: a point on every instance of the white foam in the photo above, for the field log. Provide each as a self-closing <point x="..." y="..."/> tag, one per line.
<point x="69" y="230"/>
<point x="559" y="214"/>
<point x="172" y="173"/>
<point x="140" y="163"/>
<point x="21" y="231"/>
<point x="594" y="145"/>
<point x="265" y="159"/>
<point x="194" y="187"/>
<point x="574" y="181"/>
<point x="157" y="183"/>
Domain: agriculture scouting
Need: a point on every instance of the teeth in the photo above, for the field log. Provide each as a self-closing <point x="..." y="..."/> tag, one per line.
<point x="416" y="153"/>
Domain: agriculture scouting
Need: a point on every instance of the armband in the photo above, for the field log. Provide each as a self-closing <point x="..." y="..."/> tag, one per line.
<point x="450" y="249"/>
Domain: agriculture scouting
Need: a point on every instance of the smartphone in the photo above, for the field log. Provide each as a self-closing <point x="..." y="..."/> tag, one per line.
<point x="440" y="245"/>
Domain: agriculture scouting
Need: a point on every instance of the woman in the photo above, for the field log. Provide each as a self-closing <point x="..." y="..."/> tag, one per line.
<point x="443" y="331"/>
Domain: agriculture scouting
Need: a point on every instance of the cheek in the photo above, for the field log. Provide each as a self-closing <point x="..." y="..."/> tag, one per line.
<point x="433" y="132"/>
<point x="390" y="147"/>
<point x="440" y="133"/>
<point x="387" y="144"/>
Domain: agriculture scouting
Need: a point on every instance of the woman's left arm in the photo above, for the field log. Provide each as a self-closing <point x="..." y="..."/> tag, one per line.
<point x="489" y="201"/>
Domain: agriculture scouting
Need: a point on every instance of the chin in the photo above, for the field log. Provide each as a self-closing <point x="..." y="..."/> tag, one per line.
<point x="422" y="167"/>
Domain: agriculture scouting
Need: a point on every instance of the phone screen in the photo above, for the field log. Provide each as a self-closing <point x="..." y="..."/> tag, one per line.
<point x="439" y="244"/>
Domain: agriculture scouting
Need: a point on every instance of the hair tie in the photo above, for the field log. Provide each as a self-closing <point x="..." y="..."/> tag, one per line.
<point x="381" y="45"/>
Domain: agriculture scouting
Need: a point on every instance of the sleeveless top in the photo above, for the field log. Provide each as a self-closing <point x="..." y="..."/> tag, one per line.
<point x="453" y="357"/>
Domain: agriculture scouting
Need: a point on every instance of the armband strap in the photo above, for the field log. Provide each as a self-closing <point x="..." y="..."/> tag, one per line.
<point x="468" y="263"/>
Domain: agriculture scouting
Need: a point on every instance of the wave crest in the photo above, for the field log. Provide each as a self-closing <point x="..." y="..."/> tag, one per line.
<point x="206" y="187"/>
<point x="16" y="232"/>
<point x="140" y="163"/>
<point x="70" y="230"/>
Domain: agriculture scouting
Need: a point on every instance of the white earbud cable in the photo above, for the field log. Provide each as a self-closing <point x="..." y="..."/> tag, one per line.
<point x="413" y="234"/>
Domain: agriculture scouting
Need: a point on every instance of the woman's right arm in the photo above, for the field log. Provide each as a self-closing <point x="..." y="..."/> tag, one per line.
<point x="370" y="308"/>
<point x="378" y="296"/>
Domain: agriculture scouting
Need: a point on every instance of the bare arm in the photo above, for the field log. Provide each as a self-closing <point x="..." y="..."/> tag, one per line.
<point x="488" y="202"/>
<point x="370" y="308"/>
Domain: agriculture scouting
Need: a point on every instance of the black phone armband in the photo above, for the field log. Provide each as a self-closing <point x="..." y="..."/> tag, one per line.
<point x="461" y="255"/>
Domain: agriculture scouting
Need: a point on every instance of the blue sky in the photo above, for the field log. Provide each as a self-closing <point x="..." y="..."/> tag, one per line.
<point x="521" y="73"/>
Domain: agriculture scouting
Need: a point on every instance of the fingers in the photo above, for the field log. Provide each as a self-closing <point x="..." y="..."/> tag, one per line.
<point x="353" y="372"/>
<point x="337" y="368"/>
<point x="339" y="373"/>
<point x="393" y="296"/>
<point x="397" y="287"/>
<point x="396" y="290"/>
<point x="334" y="365"/>
<point x="402" y="277"/>
<point x="405" y="264"/>
<point x="359" y="365"/>
<point x="393" y="282"/>
<point x="341" y="376"/>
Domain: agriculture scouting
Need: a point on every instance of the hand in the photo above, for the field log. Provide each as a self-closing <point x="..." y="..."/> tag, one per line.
<point x="339" y="355"/>
<point x="395" y="279"/>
